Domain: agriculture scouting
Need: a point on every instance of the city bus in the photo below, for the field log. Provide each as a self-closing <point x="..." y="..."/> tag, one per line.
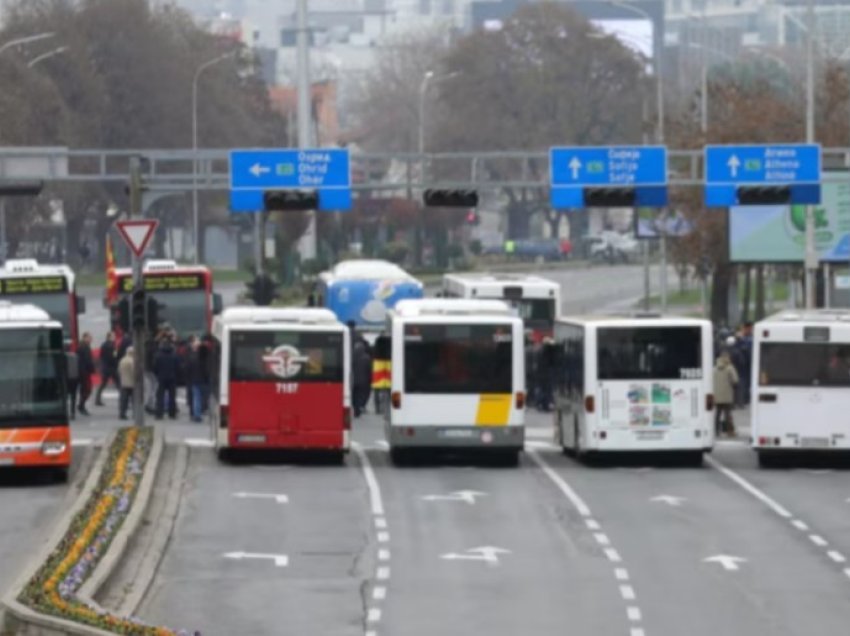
<point x="634" y="383"/>
<point x="281" y="380"/>
<point x="184" y="294"/>
<point x="34" y="429"/>
<point x="457" y="378"/>
<point x="537" y="300"/>
<point x="801" y="384"/>
<point x="363" y="290"/>
<point x="50" y="287"/>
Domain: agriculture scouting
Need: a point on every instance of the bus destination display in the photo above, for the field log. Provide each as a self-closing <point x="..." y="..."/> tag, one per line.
<point x="33" y="285"/>
<point x="167" y="283"/>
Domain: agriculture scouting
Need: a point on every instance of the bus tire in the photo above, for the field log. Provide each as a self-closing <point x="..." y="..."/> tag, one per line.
<point x="769" y="460"/>
<point x="399" y="456"/>
<point x="223" y="454"/>
<point x="60" y="475"/>
<point x="692" y="459"/>
<point x="508" y="458"/>
<point x="336" y="458"/>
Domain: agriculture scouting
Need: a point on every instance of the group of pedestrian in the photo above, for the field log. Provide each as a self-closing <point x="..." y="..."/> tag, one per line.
<point x="540" y="360"/>
<point x="168" y="364"/>
<point x="370" y="371"/>
<point x="732" y="375"/>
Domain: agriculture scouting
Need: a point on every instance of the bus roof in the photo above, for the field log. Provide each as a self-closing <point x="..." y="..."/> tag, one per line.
<point x="278" y="315"/>
<point x="366" y="269"/>
<point x="818" y="316"/>
<point x="451" y="307"/>
<point x="498" y="279"/>
<point x="23" y="267"/>
<point x="155" y="266"/>
<point x="17" y="315"/>
<point x="633" y="319"/>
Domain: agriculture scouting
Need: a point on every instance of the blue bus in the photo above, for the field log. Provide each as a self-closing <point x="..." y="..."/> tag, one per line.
<point x="364" y="290"/>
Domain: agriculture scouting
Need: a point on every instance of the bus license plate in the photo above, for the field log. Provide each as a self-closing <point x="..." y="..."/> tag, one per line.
<point x="814" y="442"/>
<point x="650" y="435"/>
<point x="456" y="434"/>
<point x="7" y="461"/>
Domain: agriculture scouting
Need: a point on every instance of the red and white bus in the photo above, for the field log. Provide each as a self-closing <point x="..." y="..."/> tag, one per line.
<point x="34" y="429"/>
<point x="184" y="293"/>
<point x="50" y="287"/>
<point x="281" y="380"/>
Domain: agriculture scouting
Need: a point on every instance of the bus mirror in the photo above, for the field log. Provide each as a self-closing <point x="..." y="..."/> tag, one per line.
<point x="81" y="304"/>
<point x="218" y="304"/>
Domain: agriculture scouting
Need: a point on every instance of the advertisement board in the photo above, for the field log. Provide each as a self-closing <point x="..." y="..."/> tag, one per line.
<point x="652" y="223"/>
<point x="777" y="233"/>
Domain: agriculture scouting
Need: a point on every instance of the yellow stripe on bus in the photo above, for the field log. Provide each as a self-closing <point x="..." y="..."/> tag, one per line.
<point x="493" y="410"/>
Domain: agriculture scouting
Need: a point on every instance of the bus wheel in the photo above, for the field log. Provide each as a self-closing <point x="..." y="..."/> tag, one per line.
<point x="336" y="458"/>
<point x="60" y="475"/>
<point x="692" y="459"/>
<point x="508" y="458"/>
<point x="769" y="460"/>
<point x="223" y="454"/>
<point x="399" y="456"/>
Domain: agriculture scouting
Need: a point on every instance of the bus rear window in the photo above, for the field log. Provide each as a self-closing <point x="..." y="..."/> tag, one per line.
<point x="291" y="356"/>
<point x="663" y="353"/>
<point x="537" y="310"/>
<point x="458" y="358"/>
<point x="804" y="364"/>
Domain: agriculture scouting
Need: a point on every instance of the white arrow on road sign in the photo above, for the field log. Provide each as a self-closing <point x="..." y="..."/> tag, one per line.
<point x="727" y="561"/>
<point x="259" y="169"/>
<point x="734" y="163"/>
<point x="280" y="560"/>
<point x="459" y="495"/>
<point x="137" y="233"/>
<point x="281" y="499"/>
<point x="669" y="499"/>
<point x="575" y="166"/>
<point x="489" y="554"/>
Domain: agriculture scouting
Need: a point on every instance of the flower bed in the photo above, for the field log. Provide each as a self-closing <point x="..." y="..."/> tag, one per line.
<point x="54" y="587"/>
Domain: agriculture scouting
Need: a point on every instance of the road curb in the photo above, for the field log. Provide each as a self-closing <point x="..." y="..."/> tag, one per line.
<point x="22" y="620"/>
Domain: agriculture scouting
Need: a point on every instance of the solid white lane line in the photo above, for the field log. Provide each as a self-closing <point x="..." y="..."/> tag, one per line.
<point x="836" y="556"/>
<point x="622" y="574"/>
<point x="818" y="540"/>
<point x="379" y="593"/>
<point x="633" y="613"/>
<point x="383" y="555"/>
<point x="627" y="592"/>
<point x="374" y="615"/>
<point x="799" y="525"/>
<point x="593" y="524"/>
<point x="612" y="555"/>
<point x="383" y="573"/>
<point x="601" y="538"/>
<point x="746" y="485"/>
<point x="563" y="486"/>
<point x="371" y="481"/>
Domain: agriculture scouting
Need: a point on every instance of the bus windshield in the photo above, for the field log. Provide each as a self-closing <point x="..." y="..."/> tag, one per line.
<point x="184" y="311"/>
<point x="32" y="377"/>
<point x="804" y="364"/>
<point x="292" y="356"/>
<point x="460" y="358"/>
<point x="663" y="353"/>
<point x="57" y="305"/>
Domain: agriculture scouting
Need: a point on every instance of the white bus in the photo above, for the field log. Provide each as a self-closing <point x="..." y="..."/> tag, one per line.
<point x="281" y="380"/>
<point x="458" y="378"/>
<point x="536" y="299"/>
<point x="801" y="383"/>
<point x="634" y="383"/>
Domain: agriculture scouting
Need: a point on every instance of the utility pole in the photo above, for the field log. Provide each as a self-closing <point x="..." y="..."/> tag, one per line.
<point x="138" y="283"/>
<point x="811" y="263"/>
<point x="309" y="242"/>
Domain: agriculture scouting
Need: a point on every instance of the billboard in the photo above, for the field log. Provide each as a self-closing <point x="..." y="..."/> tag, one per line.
<point x="777" y="233"/>
<point x="652" y="223"/>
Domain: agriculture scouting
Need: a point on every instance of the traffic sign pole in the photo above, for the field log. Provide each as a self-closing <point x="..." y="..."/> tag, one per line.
<point x="138" y="283"/>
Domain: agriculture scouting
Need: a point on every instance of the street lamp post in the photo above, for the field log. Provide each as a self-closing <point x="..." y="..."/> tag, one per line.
<point x="811" y="251"/>
<point x="198" y="72"/>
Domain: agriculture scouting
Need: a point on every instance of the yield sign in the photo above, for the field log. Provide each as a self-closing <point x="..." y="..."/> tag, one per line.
<point x="137" y="234"/>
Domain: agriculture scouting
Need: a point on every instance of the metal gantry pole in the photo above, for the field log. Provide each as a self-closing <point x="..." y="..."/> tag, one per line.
<point x="309" y="242"/>
<point x="811" y="262"/>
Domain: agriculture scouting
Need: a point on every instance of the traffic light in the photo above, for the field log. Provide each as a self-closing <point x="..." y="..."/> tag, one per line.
<point x="609" y="197"/>
<point x="154" y="313"/>
<point x="764" y="195"/>
<point x="262" y="290"/>
<point x="290" y="200"/>
<point x="450" y="198"/>
<point x="120" y="314"/>
<point x="139" y="309"/>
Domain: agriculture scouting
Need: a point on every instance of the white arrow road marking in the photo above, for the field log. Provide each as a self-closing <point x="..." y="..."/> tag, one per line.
<point x="280" y="560"/>
<point x="669" y="499"/>
<point x="575" y="166"/>
<point x="734" y="163"/>
<point x="459" y="495"/>
<point x="281" y="499"/>
<point x="488" y="554"/>
<point x="258" y="169"/>
<point x="728" y="562"/>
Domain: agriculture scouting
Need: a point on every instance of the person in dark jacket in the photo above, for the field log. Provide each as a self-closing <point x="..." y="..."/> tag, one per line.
<point x="85" y="365"/>
<point x="166" y="368"/>
<point x="195" y="379"/>
<point x="73" y="371"/>
<point x="361" y="376"/>
<point x="108" y="367"/>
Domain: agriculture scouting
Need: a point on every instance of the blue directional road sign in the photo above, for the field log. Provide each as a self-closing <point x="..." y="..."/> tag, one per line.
<point x="327" y="170"/>
<point x="729" y="167"/>
<point x="572" y="169"/>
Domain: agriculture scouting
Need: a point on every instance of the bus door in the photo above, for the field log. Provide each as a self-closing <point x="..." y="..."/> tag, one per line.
<point x="288" y="388"/>
<point x="651" y="379"/>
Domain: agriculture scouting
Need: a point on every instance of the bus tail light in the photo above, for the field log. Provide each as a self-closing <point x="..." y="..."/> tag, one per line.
<point x="520" y="401"/>
<point x="709" y="401"/>
<point x="223" y="417"/>
<point x="346" y="418"/>
<point x="396" y="399"/>
<point x="589" y="404"/>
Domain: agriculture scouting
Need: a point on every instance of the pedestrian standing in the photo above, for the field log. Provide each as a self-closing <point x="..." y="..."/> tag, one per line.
<point x="85" y="365"/>
<point x="108" y="367"/>
<point x="725" y="381"/>
<point x="127" y="377"/>
<point x="382" y="372"/>
<point x="361" y="376"/>
<point x="73" y="375"/>
<point x="195" y="380"/>
<point x="166" y="367"/>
